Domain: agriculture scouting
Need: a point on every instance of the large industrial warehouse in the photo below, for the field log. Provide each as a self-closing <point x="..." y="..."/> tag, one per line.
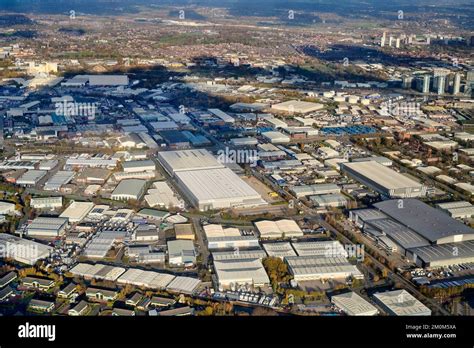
<point x="401" y="303"/>
<point x="47" y="227"/>
<point x="231" y="273"/>
<point x="353" y="304"/>
<point x="129" y="189"/>
<point x="297" y="106"/>
<point x="207" y="183"/>
<point x="426" y="235"/>
<point x="308" y="268"/>
<point x="431" y="223"/>
<point x="383" y="180"/>
<point x="22" y="250"/>
<point x="278" y="229"/>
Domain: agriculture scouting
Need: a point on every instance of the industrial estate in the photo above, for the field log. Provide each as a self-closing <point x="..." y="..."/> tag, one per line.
<point x="175" y="161"/>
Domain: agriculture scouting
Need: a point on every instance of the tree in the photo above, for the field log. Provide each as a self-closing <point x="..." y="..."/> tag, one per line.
<point x="208" y="311"/>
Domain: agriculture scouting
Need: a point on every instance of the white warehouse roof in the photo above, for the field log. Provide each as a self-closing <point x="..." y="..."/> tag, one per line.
<point x="401" y="303"/>
<point x="246" y="271"/>
<point x="354" y="305"/>
<point x="276" y="229"/>
<point x="176" y="161"/>
<point x="77" y="211"/>
<point x="297" y="106"/>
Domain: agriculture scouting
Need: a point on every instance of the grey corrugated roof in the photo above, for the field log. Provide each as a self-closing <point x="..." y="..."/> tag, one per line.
<point x="447" y="251"/>
<point x="431" y="223"/>
<point x="401" y="234"/>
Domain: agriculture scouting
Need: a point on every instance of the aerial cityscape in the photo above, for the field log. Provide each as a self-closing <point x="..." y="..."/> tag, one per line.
<point x="236" y="158"/>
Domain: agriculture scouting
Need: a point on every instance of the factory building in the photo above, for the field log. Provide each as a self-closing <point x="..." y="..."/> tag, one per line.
<point x="442" y="255"/>
<point x="181" y="252"/>
<point x="309" y="268"/>
<point x="22" y="250"/>
<point x="207" y="183"/>
<point x="353" y="304"/>
<point x="46" y="202"/>
<point x="432" y="224"/>
<point x="401" y="303"/>
<point x="278" y="229"/>
<point x="329" y="200"/>
<point x="129" y="189"/>
<point x="47" y="227"/>
<point x="77" y="211"/>
<point x="317" y="189"/>
<point x="275" y="137"/>
<point x="240" y="255"/>
<point x="233" y="273"/>
<point x="458" y="210"/>
<point x="139" y="166"/>
<point x="232" y="242"/>
<point x="297" y="106"/>
<point x="383" y="180"/>
<point x="425" y="235"/>
<point x="31" y="177"/>
<point x="59" y="179"/>
<point x="280" y="250"/>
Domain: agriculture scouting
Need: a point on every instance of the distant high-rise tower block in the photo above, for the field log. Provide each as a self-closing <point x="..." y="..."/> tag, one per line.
<point x="384" y="38"/>
<point x="440" y="82"/>
<point x="426" y="84"/>
<point x="457" y="84"/>
<point x="407" y="82"/>
<point x="397" y="44"/>
<point x="470" y="76"/>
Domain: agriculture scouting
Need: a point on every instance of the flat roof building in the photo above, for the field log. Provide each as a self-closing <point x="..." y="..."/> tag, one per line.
<point x="59" y="179"/>
<point x="129" y="189"/>
<point x="77" y="211"/>
<point x="316" y="189"/>
<point x="330" y="200"/>
<point x="309" y="268"/>
<point x="31" y="177"/>
<point x="353" y="304"/>
<point x="280" y="250"/>
<point x="161" y="195"/>
<point x="217" y="189"/>
<point x="184" y="231"/>
<point x="207" y="183"/>
<point x="231" y="273"/>
<point x="276" y="137"/>
<point x="47" y="227"/>
<point x="147" y="279"/>
<point x="297" y="106"/>
<point x="139" y="166"/>
<point x="239" y="254"/>
<point x="431" y="223"/>
<point x="183" y="285"/>
<point x="22" y="250"/>
<point x="439" y="255"/>
<point x="46" y="202"/>
<point x="181" y="252"/>
<point x="401" y="303"/>
<point x="176" y="161"/>
<point x="232" y="242"/>
<point x="278" y="229"/>
<point x="458" y="210"/>
<point x="384" y="180"/>
<point x="97" y="271"/>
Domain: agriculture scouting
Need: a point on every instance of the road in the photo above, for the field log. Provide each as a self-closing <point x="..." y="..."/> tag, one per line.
<point x="396" y="278"/>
